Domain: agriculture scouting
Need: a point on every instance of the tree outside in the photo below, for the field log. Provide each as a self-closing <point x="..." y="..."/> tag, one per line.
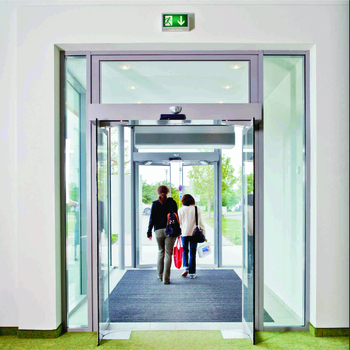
<point x="202" y="181"/>
<point x="149" y="192"/>
<point x="114" y="153"/>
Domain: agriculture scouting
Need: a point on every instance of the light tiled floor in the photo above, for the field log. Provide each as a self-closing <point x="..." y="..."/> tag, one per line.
<point x="229" y="330"/>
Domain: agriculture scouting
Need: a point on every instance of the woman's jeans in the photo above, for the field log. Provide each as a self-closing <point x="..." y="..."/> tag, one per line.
<point x="189" y="245"/>
<point x="165" y="253"/>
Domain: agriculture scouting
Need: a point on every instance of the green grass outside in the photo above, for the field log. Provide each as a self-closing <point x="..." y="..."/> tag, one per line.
<point x="114" y="237"/>
<point x="231" y="228"/>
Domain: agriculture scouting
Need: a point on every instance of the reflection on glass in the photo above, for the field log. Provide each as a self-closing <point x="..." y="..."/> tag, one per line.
<point x="75" y="165"/>
<point x="175" y="82"/>
<point x="103" y="226"/>
<point x="284" y="190"/>
<point x="115" y="210"/>
<point x="248" y="229"/>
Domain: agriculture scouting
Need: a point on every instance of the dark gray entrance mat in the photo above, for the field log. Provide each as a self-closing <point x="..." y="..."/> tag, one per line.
<point x="213" y="296"/>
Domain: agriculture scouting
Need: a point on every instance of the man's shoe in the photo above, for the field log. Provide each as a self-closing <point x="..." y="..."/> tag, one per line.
<point x="185" y="273"/>
<point x="192" y="276"/>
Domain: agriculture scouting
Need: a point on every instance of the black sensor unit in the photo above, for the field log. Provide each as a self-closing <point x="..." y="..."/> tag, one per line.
<point x="172" y="116"/>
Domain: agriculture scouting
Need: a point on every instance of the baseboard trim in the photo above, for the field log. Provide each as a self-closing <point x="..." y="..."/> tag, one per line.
<point x="8" y="330"/>
<point x="40" y="334"/>
<point x="328" y="332"/>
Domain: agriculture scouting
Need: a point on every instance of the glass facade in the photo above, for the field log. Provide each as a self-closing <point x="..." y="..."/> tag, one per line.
<point x="284" y="190"/>
<point x="284" y="174"/>
<point x="75" y="186"/>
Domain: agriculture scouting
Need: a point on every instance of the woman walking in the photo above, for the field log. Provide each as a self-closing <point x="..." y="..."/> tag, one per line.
<point x="187" y="218"/>
<point x="158" y="219"/>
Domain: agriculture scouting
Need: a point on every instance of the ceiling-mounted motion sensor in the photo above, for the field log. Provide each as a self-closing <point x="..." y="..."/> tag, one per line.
<point x="175" y="110"/>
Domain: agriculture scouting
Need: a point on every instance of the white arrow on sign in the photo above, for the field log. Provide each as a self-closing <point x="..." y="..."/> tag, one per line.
<point x="181" y="22"/>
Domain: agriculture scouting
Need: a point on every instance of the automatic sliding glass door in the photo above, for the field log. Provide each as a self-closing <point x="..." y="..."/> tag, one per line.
<point x="248" y="299"/>
<point x="195" y="178"/>
<point x="198" y="180"/>
<point x="103" y="226"/>
<point x="149" y="178"/>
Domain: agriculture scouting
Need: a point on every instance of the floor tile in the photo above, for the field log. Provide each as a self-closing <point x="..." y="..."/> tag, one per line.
<point x="188" y="326"/>
<point x="118" y="335"/>
<point x="229" y="334"/>
<point x="162" y="326"/>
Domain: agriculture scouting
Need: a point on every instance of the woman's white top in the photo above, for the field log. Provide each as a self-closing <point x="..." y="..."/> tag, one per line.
<point x="187" y="218"/>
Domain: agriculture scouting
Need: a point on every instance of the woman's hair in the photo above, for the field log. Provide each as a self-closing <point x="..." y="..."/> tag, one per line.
<point x="187" y="200"/>
<point x="162" y="192"/>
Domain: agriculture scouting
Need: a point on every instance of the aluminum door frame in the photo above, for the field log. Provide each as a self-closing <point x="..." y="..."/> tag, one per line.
<point x="90" y="125"/>
<point x="213" y="158"/>
<point x="252" y="58"/>
<point x="119" y="113"/>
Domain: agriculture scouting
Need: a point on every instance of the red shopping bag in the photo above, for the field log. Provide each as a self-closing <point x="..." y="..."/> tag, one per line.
<point x="178" y="253"/>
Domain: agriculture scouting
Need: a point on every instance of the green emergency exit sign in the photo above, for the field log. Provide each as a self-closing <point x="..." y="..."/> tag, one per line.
<point x="175" y="22"/>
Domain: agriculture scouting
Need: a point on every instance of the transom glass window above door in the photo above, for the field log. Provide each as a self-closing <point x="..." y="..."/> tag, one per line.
<point x="129" y="82"/>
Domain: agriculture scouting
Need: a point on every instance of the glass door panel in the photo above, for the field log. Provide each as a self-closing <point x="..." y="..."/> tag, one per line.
<point x="150" y="178"/>
<point x="103" y="226"/>
<point x="231" y="168"/>
<point x="248" y="230"/>
<point x="198" y="181"/>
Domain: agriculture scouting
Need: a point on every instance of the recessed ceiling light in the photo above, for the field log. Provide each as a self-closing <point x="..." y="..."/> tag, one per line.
<point x="236" y="66"/>
<point x="139" y="102"/>
<point x="227" y="86"/>
<point x="133" y="87"/>
<point x="125" y="67"/>
<point x="221" y="101"/>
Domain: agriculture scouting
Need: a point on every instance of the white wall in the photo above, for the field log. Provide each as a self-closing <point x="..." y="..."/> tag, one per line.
<point x="8" y="183"/>
<point x="325" y="28"/>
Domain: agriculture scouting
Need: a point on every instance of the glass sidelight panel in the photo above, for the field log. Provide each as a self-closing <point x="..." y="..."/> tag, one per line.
<point x="75" y="192"/>
<point x="174" y="82"/>
<point x="284" y="190"/>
